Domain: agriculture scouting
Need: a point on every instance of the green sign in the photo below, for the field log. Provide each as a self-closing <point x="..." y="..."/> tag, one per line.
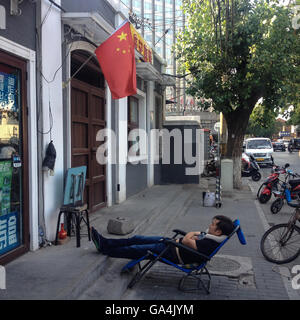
<point x="5" y="186"/>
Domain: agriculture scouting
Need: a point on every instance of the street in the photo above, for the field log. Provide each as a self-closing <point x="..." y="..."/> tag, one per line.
<point x="280" y="158"/>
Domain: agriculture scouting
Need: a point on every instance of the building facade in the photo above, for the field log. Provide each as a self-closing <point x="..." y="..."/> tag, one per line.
<point x="18" y="130"/>
<point x="52" y="90"/>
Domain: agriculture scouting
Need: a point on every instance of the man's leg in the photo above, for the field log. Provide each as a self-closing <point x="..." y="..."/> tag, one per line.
<point x="131" y="248"/>
<point x="126" y="242"/>
<point x="102" y="243"/>
<point x="138" y="251"/>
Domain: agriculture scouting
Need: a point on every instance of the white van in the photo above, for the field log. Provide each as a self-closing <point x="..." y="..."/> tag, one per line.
<point x="261" y="149"/>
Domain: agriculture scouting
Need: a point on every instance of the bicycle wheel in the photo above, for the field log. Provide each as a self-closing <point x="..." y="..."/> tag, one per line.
<point x="281" y="243"/>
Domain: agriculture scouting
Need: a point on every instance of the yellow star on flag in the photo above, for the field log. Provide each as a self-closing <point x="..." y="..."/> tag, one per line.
<point x="122" y="36"/>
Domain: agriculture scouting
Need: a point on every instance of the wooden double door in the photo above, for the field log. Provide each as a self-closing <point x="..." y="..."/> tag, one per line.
<point x="87" y="118"/>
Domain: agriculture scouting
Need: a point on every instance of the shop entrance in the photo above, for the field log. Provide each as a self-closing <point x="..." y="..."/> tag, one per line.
<point x="87" y="118"/>
<point x="14" y="222"/>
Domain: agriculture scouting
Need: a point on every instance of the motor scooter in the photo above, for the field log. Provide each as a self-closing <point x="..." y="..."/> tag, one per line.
<point x="211" y="168"/>
<point x="270" y="185"/>
<point x="293" y="185"/>
<point x="250" y="167"/>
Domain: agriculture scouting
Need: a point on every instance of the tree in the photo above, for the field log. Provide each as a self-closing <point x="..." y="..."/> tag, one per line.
<point x="238" y="51"/>
<point x="262" y="122"/>
<point x="295" y="115"/>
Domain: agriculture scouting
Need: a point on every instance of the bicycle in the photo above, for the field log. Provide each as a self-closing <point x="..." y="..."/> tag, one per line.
<point x="281" y="243"/>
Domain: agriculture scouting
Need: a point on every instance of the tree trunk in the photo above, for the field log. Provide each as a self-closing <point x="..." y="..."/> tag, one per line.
<point x="236" y="125"/>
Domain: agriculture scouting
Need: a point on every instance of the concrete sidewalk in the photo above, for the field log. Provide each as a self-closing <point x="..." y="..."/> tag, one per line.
<point x="66" y="272"/>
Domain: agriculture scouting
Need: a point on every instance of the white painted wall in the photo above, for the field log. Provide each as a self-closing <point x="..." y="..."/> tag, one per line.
<point x="111" y="147"/>
<point x="151" y="150"/>
<point x="51" y="52"/>
<point x="121" y="138"/>
<point x="122" y="149"/>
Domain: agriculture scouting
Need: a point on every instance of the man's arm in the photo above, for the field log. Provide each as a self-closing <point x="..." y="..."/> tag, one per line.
<point x="190" y="238"/>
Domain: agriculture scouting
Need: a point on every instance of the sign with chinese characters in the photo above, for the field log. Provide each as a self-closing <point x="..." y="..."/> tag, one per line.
<point x="141" y="45"/>
<point x="284" y="133"/>
<point x="9" y="233"/>
<point x="8" y="97"/>
<point x="5" y="186"/>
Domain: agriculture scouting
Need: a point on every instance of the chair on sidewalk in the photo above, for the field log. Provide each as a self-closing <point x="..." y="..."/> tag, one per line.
<point x="73" y="206"/>
<point x="195" y="271"/>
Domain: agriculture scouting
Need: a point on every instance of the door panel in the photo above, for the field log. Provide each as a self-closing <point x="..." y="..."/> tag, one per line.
<point x="98" y="180"/>
<point x="88" y="117"/>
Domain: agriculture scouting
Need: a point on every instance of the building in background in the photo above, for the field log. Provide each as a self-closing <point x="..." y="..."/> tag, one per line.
<point x="159" y="21"/>
<point x="286" y="132"/>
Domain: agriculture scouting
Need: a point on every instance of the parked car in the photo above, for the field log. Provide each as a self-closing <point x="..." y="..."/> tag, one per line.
<point x="294" y="144"/>
<point x="286" y="143"/>
<point x="261" y="149"/>
<point x="278" y="146"/>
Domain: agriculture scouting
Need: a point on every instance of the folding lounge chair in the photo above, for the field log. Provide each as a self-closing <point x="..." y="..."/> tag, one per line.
<point x="195" y="271"/>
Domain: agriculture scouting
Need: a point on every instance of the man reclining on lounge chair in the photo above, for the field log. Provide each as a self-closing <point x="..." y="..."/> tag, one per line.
<point x="138" y="246"/>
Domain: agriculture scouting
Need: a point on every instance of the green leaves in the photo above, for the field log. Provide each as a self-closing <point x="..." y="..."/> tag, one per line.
<point x="241" y="50"/>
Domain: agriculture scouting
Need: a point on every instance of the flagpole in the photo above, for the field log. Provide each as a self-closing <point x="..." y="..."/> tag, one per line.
<point x="92" y="55"/>
<point x="84" y="63"/>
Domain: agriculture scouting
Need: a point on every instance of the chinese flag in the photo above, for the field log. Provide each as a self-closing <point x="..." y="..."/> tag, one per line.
<point x="117" y="61"/>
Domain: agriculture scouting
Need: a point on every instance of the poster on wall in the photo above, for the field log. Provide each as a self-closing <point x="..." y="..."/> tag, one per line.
<point x="9" y="233"/>
<point x="8" y="97"/>
<point x="5" y="186"/>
